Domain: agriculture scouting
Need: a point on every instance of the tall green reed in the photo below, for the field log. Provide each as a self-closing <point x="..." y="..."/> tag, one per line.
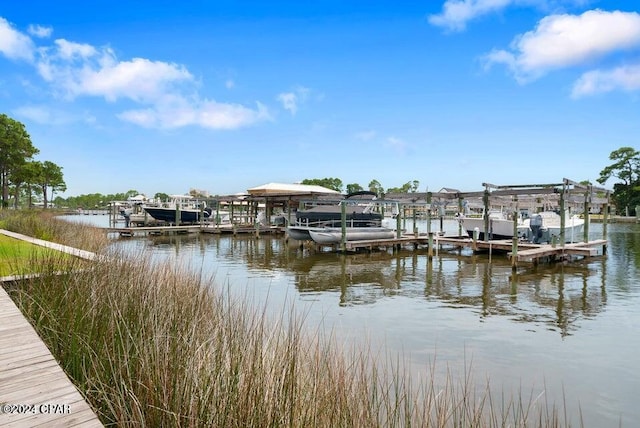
<point x="153" y="345"/>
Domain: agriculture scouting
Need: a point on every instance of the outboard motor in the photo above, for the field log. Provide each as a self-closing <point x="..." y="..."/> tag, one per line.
<point x="535" y="224"/>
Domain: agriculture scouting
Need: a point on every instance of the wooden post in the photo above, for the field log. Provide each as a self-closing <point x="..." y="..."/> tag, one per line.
<point x="343" y="223"/>
<point x="485" y="200"/>
<point x="605" y="218"/>
<point x="430" y="249"/>
<point x="474" y="240"/>
<point x="459" y="214"/>
<point x="177" y="213"/>
<point x="398" y="223"/>
<point x="586" y="213"/>
<point x="415" y="225"/>
<point x="563" y="221"/>
<point x="514" y="239"/>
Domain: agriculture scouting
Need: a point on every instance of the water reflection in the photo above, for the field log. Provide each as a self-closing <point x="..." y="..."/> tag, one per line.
<point x="553" y="297"/>
<point x="360" y="278"/>
<point x="548" y="325"/>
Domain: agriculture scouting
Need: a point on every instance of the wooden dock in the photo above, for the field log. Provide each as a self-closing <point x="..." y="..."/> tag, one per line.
<point x="525" y="252"/>
<point x="196" y="228"/>
<point x="34" y="390"/>
<point x="153" y="230"/>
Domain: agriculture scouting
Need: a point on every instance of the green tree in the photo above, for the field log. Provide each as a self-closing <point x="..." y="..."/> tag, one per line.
<point x="15" y="149"/>
<point x="160" y="196"/>
<point x="49" y="176"/>
<point x="626" y="167"/>
<point x="329" y="183"/>
<point x="376" y="187"/>
<point x="408" y="187"/>
<point x="130" y="193"/>
<point x="354" y="187"/>
<point x="25" y="178"/>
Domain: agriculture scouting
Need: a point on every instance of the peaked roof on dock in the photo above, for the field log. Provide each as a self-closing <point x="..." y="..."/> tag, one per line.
<point x="290" y="189"/>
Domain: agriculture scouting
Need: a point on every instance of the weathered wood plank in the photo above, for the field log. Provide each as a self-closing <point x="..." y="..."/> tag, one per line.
<point x="30" y="375"/>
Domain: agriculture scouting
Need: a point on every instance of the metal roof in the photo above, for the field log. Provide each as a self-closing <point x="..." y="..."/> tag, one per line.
<point x="285" y="188"/>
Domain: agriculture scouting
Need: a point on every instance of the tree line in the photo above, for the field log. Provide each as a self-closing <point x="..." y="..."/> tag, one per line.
<point x="22" y="177"/>
<point x="24" y="180"/>
<point x="374" y="186"/>
<point x="626" y="168"/>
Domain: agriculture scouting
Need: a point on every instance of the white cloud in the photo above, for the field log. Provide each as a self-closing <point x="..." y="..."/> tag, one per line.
<point x="40" y="31"/>
<point x="456" y="13"/>
<point x="291" y="100"/>
<point x="568" y="40"/>
<point x="44" y="115"/>
<point x="397" y="145"/>
<point x="13" y="44"/>
<point x="626" y="78"/>
<point x="166" y="92"/>
<point x="366" y="135"/>
<point x="82" y="70"/>
<point x="176" y="112"/>
<point x="67" y="50"/>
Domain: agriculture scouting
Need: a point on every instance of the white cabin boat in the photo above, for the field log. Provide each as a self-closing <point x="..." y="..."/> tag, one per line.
<point x="500" y="226"/>
<point x="539" y="228"/>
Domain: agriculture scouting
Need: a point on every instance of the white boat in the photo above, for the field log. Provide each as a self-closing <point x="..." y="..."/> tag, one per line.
<point x="546" y="226"/>
<point x="500" y="226"/>
<point x="539" y="228"/>
<point x="134" y="213"/>
<point x="333" y="235"/>
<point x="359" y="213"/>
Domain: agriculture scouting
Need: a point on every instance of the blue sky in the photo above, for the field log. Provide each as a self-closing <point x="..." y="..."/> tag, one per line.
<point x="163" y="96"/>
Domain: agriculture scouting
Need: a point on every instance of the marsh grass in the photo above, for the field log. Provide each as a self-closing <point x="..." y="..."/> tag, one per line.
<point x="22" y="258"/>
<point x="44" y="225"/>
<point x="153" y="345"/>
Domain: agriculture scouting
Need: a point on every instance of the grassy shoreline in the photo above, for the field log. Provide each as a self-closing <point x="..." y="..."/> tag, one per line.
<point x="150" y="345"/>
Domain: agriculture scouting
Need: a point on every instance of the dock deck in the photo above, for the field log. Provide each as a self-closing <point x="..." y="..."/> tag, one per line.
<point x="526" y="251"/>
<point x="34" y="390"/>
<point x="196" y="228"/>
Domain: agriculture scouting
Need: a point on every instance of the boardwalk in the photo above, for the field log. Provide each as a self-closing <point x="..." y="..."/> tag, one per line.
<point x="34" y="390"/>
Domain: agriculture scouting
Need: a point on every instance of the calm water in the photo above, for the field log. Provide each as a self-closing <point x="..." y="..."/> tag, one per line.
<point x="570" y="330"/>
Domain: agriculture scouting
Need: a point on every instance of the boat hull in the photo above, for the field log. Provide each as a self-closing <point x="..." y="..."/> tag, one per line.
<point x="502" y="228"/>
<point x="334" y="235"/>
<point x="498" y="228"/>
<point x="301" y="233"/>
<point x="168" y="215"/>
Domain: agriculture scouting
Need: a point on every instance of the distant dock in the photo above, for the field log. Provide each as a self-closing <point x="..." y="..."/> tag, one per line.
<point x="195" y="228"/>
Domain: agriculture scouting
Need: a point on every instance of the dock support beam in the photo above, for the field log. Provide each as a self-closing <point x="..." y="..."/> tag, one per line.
<point x="343" y="224"/>
<point x="514" y="239"/>
<point x="587" y="198"/>
<point x="605" y="218"/>
<point x="459" y="214"/>
<point x="563" y="220"/>
<point x="485" y="200"/>
<point x="430" y="249"/>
